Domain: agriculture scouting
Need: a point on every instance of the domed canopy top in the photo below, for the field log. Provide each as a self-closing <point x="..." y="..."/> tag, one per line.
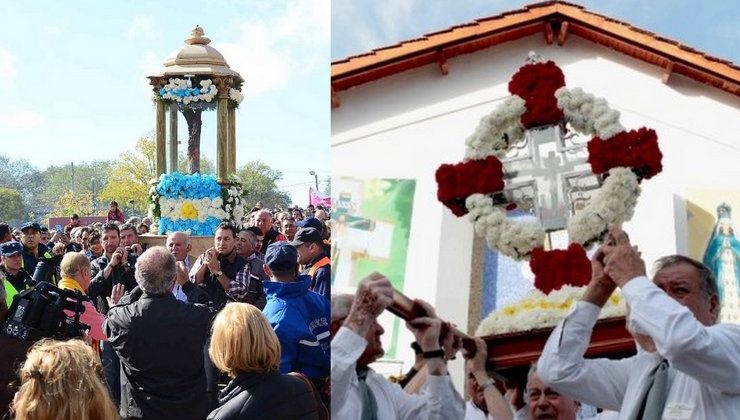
<point x="196" y="57"/>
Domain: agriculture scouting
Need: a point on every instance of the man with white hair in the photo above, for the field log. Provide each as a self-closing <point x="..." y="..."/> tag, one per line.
<point x="264" y="222"/>
<point x="358" y="392"/>
<point x="160" y="342"/>
<point x="178" y="243"/>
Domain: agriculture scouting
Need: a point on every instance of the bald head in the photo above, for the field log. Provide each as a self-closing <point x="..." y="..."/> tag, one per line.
<point x="178" y="243"/>
<point x="321" y="215"/>
<point x="156" y="270"/>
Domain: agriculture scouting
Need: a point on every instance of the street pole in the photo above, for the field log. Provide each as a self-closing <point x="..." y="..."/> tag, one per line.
<point x="94" y="203"/>
<point x="316" y="179"/>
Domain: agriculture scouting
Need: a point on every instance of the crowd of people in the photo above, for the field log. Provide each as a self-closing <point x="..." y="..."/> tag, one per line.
<point x="239" y="331"/>
<point x="249" y="329"/>
<point x="686" y="367"/>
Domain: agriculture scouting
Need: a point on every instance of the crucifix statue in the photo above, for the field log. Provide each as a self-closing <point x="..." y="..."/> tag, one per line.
<point x="549" y="176"/>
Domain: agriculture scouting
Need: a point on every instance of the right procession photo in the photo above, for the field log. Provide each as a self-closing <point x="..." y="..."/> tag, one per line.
<point x="533" y="210"/>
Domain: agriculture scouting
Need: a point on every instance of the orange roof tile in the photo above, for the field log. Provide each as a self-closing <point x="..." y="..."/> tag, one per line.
<point x="556" y="20"/>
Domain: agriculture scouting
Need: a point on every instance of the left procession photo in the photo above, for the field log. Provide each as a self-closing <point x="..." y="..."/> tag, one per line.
<point x="165" y="211"/>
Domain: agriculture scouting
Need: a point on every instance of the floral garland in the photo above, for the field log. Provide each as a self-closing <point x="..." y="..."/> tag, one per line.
<point x="539" y="310"/>
<point x="185" y="95"/>
<point x="195" y="204"/>
<point x="234" y="201"/>
<point x="540" y="98"/>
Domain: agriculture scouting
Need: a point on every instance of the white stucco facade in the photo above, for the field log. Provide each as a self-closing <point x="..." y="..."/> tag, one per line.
<point x="406" y="125"/>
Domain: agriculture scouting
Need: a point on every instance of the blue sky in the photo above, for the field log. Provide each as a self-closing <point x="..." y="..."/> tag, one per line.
<point x="361" y="25"/>
<point x="72" y="79"/>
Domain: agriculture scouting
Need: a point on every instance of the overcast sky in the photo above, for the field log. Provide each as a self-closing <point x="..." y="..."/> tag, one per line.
<point x="359" y="26"/>
<point x="73" y="85"/>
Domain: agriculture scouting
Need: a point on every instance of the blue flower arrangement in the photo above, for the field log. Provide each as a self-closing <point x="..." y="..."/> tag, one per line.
<point x="192" y="203"/>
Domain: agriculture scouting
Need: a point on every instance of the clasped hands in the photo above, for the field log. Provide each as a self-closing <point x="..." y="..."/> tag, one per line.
<point x="617" y="261"/>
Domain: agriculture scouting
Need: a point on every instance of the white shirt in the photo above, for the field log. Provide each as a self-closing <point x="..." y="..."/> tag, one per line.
<point x="472" y="412"/>
<point x="706" y="360"/>
<point x="179" y="294"/>
<point x="436" y="400"/>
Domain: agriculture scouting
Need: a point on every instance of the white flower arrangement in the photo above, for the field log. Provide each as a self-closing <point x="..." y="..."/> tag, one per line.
<point x="501" y="130"/>
<point x="588" y="115"/>
<point x="176" y="208"/>
<point x="511" y="238"/>
<point x="236" y="96"/>
<point x="613" y="204"/>
<point x="181" y="90"/>
<point x="497" y="131"/>
<point x="537" y="310"/>
<point x="234" y="202"/>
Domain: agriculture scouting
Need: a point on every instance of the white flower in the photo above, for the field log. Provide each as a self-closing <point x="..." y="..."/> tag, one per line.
<point x="537" y="310"/>
<point x="613" y="204"/>
<point x="217" y="202"/>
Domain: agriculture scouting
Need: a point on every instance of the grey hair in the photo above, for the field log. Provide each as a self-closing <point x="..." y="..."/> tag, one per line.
<point x="179" y="232"/>
<point x="340" y="306"/>
<point x="708" y="283"/>
<point x="251" y="237"/>
<point x="156" y="270"/>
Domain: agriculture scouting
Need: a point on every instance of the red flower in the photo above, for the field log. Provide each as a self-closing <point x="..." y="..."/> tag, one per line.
<point x="555" y="268"/>
<point x="632" y="149"/>
<point x="456" y="182"/>
<point x="536" y="85"/>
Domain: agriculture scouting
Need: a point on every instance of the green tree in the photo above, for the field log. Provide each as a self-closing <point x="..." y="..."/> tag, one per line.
<point x="206" y="165"/>
<point x="129" y="175"/>
<point x="260" y="184"/>
<point x="75" y="178"/>
<point x="70" y="202"/>
<point x="11" y="205"/>
<point x="19" y="175"/>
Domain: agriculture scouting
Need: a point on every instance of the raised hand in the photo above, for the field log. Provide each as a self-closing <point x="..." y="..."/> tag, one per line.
<point x="623" y="261"/>
<point x="374" y="294"/>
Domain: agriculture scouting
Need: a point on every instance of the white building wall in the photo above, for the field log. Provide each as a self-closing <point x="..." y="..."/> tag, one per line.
<point x="406" y="125"/>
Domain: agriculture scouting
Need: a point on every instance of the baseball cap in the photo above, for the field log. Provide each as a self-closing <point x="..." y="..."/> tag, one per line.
<point x="281" y="256"/>
<point x="310" y="222"/>
<point x="31" y="225"/>
<point x="307" y="235"/>
<point x="9" y="248"/>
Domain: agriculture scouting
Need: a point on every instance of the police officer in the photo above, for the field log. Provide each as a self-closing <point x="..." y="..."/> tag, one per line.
<point x="33" y="250"/>
<point x="11" y="254"/>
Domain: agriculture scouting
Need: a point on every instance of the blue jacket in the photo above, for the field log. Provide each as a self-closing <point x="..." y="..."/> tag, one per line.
<point x="300" y="319"/>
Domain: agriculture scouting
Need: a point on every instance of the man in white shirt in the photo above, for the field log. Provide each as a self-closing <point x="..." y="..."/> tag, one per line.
<point x="673" y="318"/>
<point x="356" y="343"/>
<point x="178" y="243"/>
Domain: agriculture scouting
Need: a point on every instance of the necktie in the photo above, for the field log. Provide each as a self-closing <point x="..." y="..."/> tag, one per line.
<point x="653" y="394"/>
<point x="369" y="404"/>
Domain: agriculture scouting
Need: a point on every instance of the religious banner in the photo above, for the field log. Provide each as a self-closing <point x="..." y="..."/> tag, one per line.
<point x="317" y="198"/>
<point x="371" y="233"/>
<point x="712" y="240"/>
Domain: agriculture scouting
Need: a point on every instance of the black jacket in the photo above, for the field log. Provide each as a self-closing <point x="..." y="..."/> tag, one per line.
<point x="268" y="396"/>
<point x="101" y="287"/>
<point x="160" y="343"/>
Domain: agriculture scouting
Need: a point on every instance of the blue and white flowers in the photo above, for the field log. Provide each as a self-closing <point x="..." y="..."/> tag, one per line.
<point x="182" y="91"/>
<point x="194" y="204"/>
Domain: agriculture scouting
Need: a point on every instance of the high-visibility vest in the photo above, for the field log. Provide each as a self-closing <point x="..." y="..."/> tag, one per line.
<point x="10" y="292"/>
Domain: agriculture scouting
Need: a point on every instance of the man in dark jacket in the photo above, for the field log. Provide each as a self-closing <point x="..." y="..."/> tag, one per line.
<point x="160" y="340"/>
<point x="299" y="317"/>
<point x="271" y="235"/>
<point x="115" y="268"/>
<point x="316" y="263"/>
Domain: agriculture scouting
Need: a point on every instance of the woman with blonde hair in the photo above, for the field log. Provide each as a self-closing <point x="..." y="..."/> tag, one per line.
<point x="244" y="345"/>
<point x="61" y="380"/>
